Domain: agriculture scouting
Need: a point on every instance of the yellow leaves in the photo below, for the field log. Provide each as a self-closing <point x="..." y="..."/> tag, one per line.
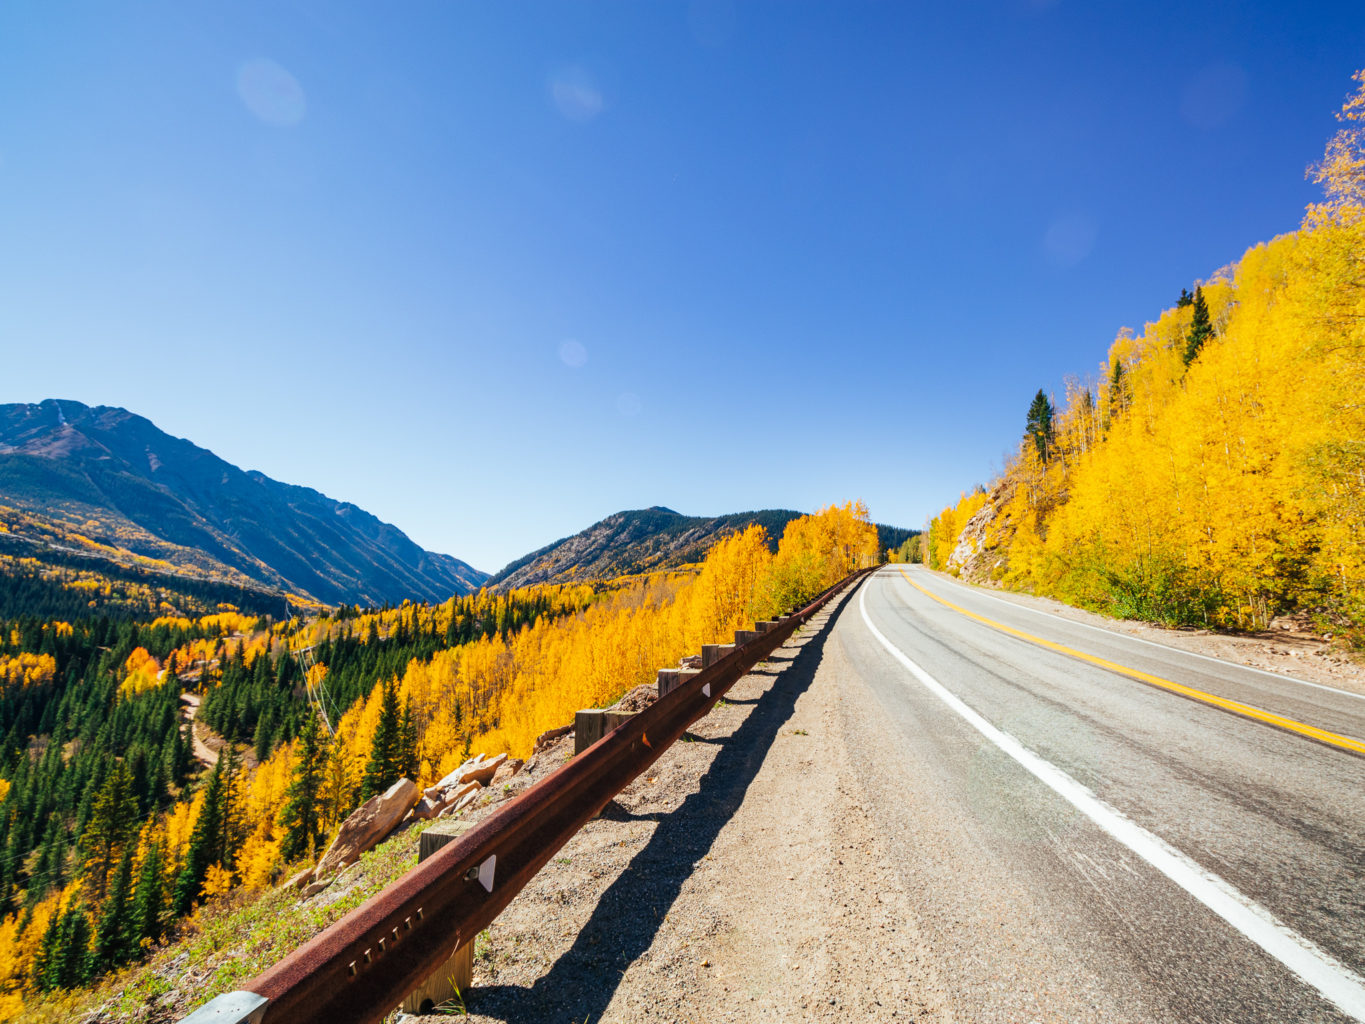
<point x="217" y="881"/>
<point x="142" y="673"/>
<point x="4" y="789"/>
<point x="1236" y="485"/>
<point x="259" y="857"/>
<point x="26" y="669"/>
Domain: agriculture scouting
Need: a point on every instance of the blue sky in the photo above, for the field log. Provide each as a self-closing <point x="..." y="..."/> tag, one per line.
<point x="494" y="271"/>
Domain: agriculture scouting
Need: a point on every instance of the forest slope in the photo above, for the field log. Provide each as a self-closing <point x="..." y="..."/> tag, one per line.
<point x="1215" y="474"/>
<point x="647" y="540"/>
<point x="106" y="482"/>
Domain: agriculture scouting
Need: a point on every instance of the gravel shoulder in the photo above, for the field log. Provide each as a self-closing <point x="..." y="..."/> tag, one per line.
<point x="743" y="879"/>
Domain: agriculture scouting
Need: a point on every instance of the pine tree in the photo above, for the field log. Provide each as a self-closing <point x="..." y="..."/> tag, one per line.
<point x="383" y="768"/>
<point x="1186" y="299"/>
<point x="113" y="815"/>
<point x="148" y="898"/>
<point x="1201" y="327"/>
<point x="1040" y="425"/>
<point x="205" y="843"/>
<point x="1117" y="392"/>
<point x="115" y="940"/>
<point x="302" y="814"/>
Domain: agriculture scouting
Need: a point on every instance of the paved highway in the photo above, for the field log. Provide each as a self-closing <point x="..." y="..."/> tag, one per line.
<point x="1080" y="844"/>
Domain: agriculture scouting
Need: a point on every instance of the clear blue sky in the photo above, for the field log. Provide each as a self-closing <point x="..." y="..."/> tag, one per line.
<point x="493" y="271"/>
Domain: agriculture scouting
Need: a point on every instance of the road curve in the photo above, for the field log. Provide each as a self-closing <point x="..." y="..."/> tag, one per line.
<point x="987" y="756"/>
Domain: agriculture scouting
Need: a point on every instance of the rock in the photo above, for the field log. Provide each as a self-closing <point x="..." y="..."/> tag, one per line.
<point x="504" y="773"/>
<point x="298" y="881"/>
<point x="549" y="736"/>
<point x="370" y="823"/>
<point x="690" y="661"/>
<point x="426" y="808"/>
<point x="483" y="771"/>
<point x="455" y="795"/>
<point x="313" y="888"/>
<point x="637" y="699"/>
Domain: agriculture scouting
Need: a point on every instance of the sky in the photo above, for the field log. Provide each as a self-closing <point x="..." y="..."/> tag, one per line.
<point x="495" y="271"/>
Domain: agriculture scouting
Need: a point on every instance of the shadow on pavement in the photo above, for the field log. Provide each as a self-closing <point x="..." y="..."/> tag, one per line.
<point x="584" y="979"/>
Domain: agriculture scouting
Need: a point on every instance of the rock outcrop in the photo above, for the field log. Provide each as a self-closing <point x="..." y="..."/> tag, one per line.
<point x="366" y="826"/>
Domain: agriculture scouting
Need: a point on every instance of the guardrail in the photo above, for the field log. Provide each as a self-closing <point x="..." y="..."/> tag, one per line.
<point x="360" y="968"/>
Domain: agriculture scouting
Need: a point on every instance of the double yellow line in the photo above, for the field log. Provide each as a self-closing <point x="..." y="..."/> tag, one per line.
<point x="1236" y="707"/>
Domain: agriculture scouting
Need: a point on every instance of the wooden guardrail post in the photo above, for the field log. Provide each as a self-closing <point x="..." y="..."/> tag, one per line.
<point x="712" y="653"/>
<point x="591" y="725"/>
<point x="671" y="678"/>
<point x="454" y="977"/>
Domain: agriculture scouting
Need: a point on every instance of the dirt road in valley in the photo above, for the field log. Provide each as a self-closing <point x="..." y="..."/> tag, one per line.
<point x="833" y="843"/>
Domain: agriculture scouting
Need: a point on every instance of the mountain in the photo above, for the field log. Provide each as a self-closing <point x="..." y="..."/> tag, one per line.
<point x="105" y="482"/>
<point x="642" y="540"/>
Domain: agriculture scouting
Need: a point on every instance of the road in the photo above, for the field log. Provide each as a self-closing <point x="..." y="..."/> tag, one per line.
<point x="1080" y="844"/>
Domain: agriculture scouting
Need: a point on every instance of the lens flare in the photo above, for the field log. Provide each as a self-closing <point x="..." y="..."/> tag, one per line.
<point x="573" y="353"/>
<point x="271" y="93"/>
<point x="575" y="94"/>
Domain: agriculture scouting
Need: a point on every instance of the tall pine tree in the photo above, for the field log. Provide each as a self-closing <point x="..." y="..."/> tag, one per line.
<point x="1039" y="425"/>
<point x="1201" y="327"/>
<point x="204" y="846"/>
<point x="385" y="765"/>
<point x="302" y="817"/>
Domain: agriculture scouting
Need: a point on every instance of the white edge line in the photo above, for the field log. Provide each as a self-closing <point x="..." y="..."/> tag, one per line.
<point x="980" y="592"/>
<point x="1335" y="981"/>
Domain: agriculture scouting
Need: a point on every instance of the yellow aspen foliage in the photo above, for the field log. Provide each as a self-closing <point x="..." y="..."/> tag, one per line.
<point x="259" y="858"/>
<point x="217" y="881"/>
<point x="4" y="789"/>
<point x="1224" y="485"/>
<point x="142" y="673"/>
<point x="26" y="669"/>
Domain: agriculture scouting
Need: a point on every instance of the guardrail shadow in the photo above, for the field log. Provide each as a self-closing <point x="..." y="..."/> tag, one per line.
<point x="626" y="919"/>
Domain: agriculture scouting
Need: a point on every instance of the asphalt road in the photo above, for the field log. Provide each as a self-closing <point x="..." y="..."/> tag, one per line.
<point x="1081" y="845"/>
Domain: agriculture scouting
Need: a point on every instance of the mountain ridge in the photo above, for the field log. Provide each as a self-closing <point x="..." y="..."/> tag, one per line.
<point x="105" y="471"/>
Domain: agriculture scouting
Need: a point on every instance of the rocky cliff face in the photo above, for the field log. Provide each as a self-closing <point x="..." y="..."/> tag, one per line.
<point x="115" y="479"/>
<point x="975" y="557"/>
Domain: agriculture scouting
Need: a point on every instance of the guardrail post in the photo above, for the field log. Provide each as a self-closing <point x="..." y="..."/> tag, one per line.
<point x="454" y="976"/>
<point x="712" y="653"/>
<point x="591" y="725"/>
<point x="671" y="678"/>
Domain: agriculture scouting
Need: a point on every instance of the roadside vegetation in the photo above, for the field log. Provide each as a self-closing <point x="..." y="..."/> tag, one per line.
<point x="1213" y="470"/>
<point x="115" y="841"/>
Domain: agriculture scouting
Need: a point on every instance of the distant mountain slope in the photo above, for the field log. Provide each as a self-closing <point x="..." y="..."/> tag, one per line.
<point x="630" y="542"/>
<point x="105" y="481"/>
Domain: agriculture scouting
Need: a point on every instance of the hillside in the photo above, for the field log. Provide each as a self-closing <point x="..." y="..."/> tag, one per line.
<point x="1212" y="473"/>
<point x="107" y="483"/>
<point x="631" y="542"/>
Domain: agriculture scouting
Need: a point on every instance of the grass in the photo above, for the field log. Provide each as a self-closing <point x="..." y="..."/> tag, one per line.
<point x="224" y="945"/>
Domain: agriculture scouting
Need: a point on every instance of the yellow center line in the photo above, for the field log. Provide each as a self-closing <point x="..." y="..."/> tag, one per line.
<point x="1236" y="707"/>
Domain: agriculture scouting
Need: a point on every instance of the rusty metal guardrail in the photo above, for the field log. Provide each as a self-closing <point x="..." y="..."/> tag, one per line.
<point x="360" y="967"/>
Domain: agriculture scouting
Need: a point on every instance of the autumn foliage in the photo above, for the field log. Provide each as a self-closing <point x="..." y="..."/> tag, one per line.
<point x="427" y="683"/>
<point x="1221" y="482"/>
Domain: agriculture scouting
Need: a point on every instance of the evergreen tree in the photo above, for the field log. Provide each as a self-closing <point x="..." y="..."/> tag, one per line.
<point x="302" y="814"/>
<point x="384" y="767"/>
<point x="205" y="843"/>
<point x="113" y="815"/>
<point x="1186" y="299"/>
<point x="115" y="940"/>
<point x="407" y="744"/>
<point x="1040" y="425"/>
<point x="1201" y="327"/>
<point x="148" y="898"/>
<point x="1117" y="391"/>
